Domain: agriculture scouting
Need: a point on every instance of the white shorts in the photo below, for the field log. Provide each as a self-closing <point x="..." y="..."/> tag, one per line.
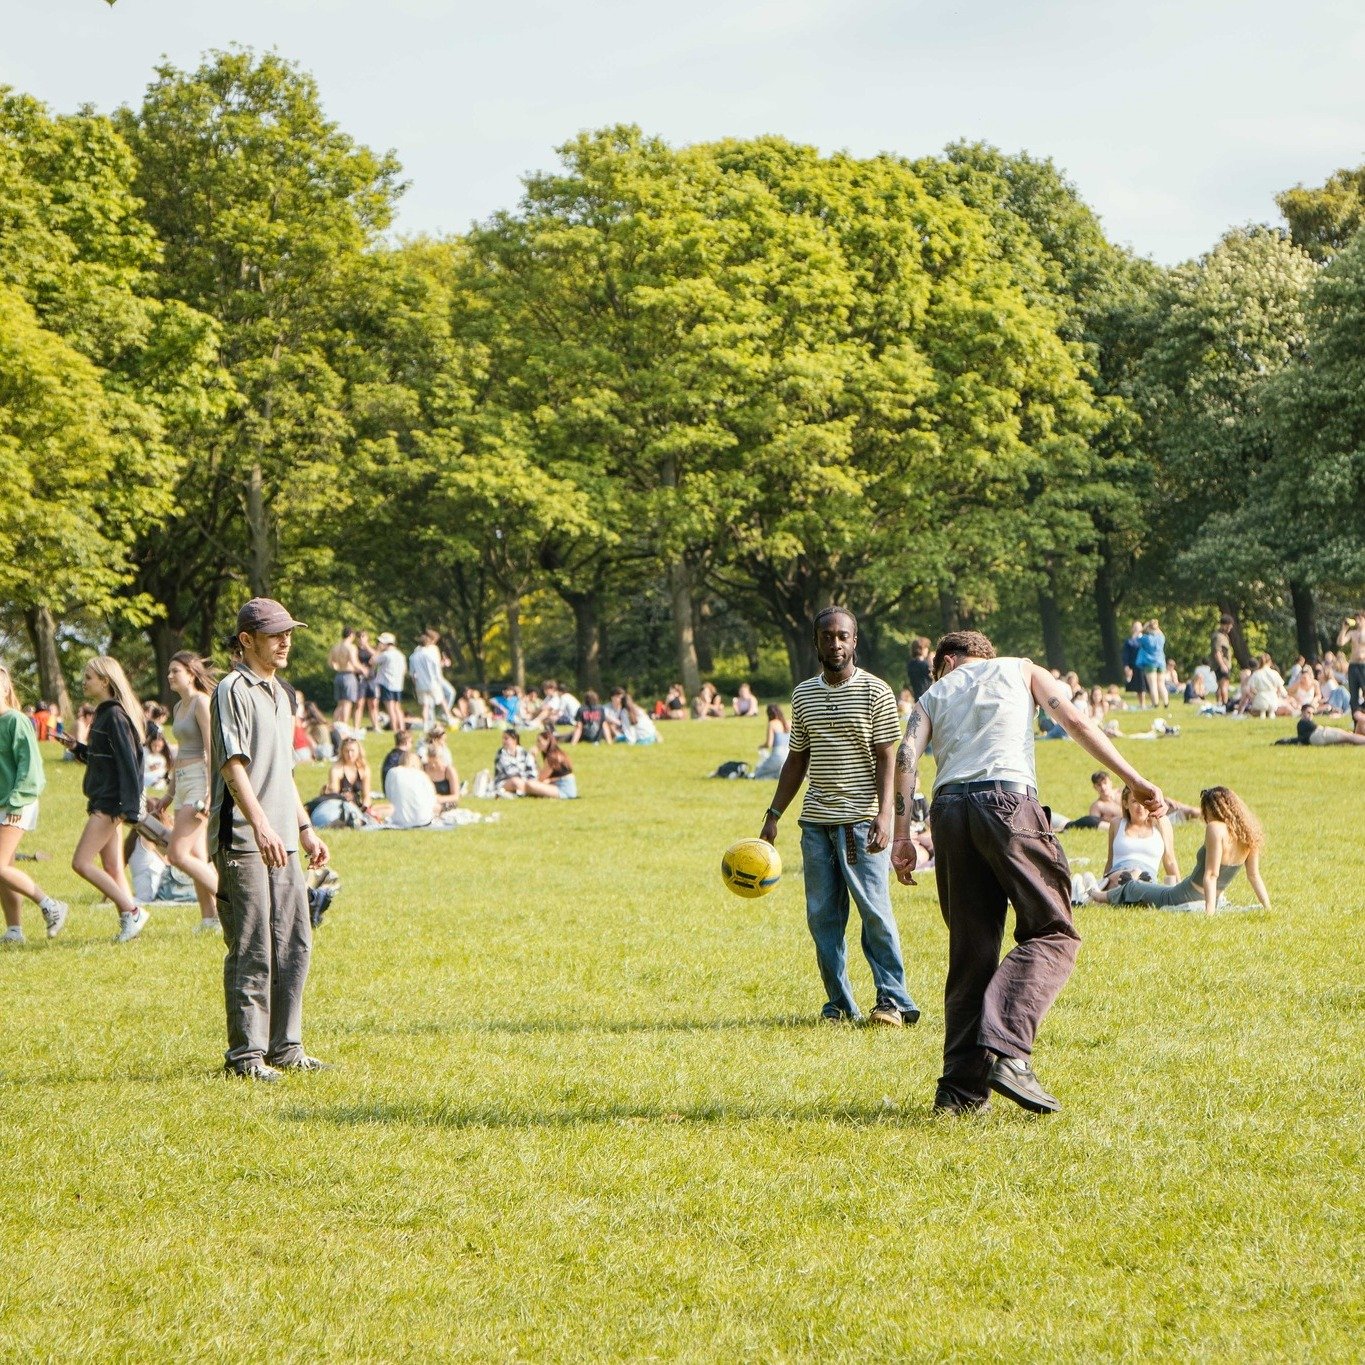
<point x="191" y="785"/>
<point x="432" y="695"/>
<point x="27" y="818"/>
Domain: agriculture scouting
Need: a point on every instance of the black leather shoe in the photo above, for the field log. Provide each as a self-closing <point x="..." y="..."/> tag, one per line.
<point x="945" y="1102"/>
<point x="1013" y="1078"/>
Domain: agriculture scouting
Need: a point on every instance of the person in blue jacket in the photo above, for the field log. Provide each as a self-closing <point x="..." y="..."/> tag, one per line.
<point x="1151" y="662"/>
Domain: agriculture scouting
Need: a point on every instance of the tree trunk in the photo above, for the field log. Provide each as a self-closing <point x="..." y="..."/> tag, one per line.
<point x="1305" y="618"/>
<point x="42" y="634"/>
<point x="512" y="610"/>
<point x="801" y="655"/>
<point x="166" y="640"/>
<point x="751" y="650"/>
<point x="948" y="611"/>
<point x="870" y="647"/>
<point x="684" y="629"/>
<point x="1111" y="650"/>
<point x="1054" y="643"/>
<point x="1239" y="644"/>
<point x="587" y="640"/>
<point x="260" y="551"/>
<point x="701" y="614"/>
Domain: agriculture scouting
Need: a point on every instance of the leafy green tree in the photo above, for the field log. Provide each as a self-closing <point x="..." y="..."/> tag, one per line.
<point x="265" y="209"/>
<point x="1229" y="323"/>
<point x="1323" y="220"/>
<point x="76" y="262"/>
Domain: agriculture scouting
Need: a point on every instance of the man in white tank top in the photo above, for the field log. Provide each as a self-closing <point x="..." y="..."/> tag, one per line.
<point x="993" y="844"/>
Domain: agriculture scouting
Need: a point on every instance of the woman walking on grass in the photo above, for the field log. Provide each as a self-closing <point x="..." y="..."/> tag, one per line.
<point x="21" y="782"/>
<point x="1233" y="839"/>
<point x="188" y="796"/>
<point x="113" y="788"/>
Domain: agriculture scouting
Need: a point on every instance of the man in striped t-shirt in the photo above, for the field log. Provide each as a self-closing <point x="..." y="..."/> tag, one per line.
<point x="845" y="728"/>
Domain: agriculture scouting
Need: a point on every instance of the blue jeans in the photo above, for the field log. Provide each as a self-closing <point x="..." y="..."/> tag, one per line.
<point x="830" y="879"/>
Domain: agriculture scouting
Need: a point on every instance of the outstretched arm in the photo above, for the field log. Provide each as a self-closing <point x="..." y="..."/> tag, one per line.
<point x="1052" y="696"/>
<point x="918" y="729"/>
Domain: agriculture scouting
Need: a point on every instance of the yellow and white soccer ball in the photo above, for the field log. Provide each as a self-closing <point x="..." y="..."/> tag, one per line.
<point x="751" y="868"/>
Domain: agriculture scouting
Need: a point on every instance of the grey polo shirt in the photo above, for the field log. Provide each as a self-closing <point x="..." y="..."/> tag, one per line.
<point x="251" y="720"/>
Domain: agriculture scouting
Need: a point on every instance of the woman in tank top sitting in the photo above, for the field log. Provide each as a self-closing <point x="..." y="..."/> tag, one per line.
<point x="1140" y="847"/>
<point x="1233" y="840"/>
<point x="188" y="791"/>
<point x="345" y="797"/>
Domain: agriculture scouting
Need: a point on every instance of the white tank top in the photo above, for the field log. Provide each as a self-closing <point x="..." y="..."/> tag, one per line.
<point x="1141" y="852"/>
<point x="982" y="714"/>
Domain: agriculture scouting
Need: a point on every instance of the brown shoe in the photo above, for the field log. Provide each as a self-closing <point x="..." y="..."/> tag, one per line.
<point x="887" y="1015"/>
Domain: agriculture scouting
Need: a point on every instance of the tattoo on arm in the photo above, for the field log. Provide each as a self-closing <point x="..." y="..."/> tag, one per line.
<point x="900" y="804"/>
<point x="1053" y="703"/>
<point x="904" y="757"/>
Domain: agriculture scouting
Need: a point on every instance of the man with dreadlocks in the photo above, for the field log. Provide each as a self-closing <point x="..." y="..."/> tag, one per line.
<point x="993" y="844"/>
<point x="845" y="726"/>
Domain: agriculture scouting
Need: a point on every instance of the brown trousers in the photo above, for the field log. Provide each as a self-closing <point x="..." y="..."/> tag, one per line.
<point x="992" y="847"/>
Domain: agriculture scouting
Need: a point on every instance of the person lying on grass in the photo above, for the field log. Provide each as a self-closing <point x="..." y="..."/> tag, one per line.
<point x="1233" y="840"/>
<point x="1310" y="732"/>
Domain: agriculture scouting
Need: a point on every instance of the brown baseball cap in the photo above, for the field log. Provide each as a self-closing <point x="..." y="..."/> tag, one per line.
<point x="265" y="616"/>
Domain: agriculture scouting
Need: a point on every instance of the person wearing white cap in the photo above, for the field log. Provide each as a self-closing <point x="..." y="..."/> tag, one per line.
<point x="390" y="671"/>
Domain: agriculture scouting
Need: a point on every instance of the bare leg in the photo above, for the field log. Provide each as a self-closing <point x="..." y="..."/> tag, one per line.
<point x="98" y="859"/>
<point x="12" y="881"/>
<point x="188" y="851"/>
<point x="534" y="787"/>
<point x="14" y="907"/>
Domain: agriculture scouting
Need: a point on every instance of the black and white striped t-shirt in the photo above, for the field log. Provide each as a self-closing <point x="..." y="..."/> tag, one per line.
<point x="842" y="727"/>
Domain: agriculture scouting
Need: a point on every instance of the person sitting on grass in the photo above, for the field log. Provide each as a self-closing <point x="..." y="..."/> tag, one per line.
<point x="1309" y="732"/>
<point x="1233" y="839"/>
<point x="1267" y="694"/>
<point x="345" y="795"/>
<point x="411" y="794"/>
<point x="638" y="728"/>
<point x="440" y="767"/>
<point x="555" y="771"/>
<point x="745" y="703"/>
<point x="1141" y="846"/>
<point x="707" y="704"/>
<point x="1304" y="691"/>
<point x="776" y="743"/>
<point x="402" y="744"/>
<point x="673" y="706"/>
<point x="513" y="765"/>
<point x="591" y="725"/>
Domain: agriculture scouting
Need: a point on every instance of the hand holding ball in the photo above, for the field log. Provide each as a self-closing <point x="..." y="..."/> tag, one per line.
<point x="751" y="868"/>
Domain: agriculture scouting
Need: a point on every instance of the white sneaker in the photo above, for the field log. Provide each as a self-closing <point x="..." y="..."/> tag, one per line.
<point x="209" y="926"/>
<point x="130" y="924"/>
<point x="54" y="915"/>
<point x="13" y="935"/>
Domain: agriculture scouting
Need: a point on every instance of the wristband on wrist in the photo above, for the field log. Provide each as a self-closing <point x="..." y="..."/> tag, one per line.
<point x="774" y="812"/>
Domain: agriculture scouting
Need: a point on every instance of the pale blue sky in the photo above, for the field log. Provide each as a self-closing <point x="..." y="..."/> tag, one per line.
<point x="1176" y="120"/>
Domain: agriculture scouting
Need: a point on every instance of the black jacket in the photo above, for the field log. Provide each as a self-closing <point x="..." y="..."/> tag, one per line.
<point x="113" y="764"/>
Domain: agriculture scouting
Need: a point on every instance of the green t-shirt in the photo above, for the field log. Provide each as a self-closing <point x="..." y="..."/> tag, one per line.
<point x="21" y="764"/>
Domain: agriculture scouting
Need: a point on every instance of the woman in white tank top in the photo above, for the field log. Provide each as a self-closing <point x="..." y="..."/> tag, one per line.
<point x="1139" y="846"/>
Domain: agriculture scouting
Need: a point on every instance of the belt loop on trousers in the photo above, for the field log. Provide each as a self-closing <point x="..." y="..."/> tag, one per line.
<point x="850" y="846"/>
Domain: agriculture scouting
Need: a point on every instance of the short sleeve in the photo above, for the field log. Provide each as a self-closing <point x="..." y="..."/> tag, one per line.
<point x="231" y="723"/>
<point x="799" y="741"/>
<point x="886" y="720"/>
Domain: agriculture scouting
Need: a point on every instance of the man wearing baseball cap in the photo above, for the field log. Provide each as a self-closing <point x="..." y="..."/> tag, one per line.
<point x="257" y="826"/>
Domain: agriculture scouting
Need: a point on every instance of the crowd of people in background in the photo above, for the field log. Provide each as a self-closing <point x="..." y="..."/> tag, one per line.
<point x="147" y="782"/>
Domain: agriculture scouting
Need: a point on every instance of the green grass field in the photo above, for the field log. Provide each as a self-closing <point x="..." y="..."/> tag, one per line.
<point x="581" y="1108"/>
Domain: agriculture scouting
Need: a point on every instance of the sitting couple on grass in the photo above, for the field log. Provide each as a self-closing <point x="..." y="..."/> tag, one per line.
<point x="1233" y="840"/>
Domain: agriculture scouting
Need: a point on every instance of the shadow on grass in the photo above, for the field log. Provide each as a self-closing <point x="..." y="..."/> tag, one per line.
<point x="494" y="1116"/>
<point x="566" y="1026"/>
